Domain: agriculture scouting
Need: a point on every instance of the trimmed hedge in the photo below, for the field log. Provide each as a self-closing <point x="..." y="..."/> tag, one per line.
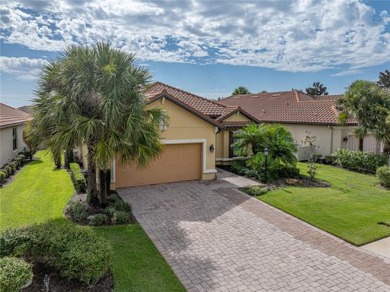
<point x="15" y="273"/>
<point x="76" y="253"/>
<point x="2" y="177"/>
<point x="365" y="162"/>
<point x="383" y="174"/>
<point x="78" y="178"/>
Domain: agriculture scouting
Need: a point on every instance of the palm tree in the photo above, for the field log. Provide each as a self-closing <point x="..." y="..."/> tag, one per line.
<point x="370" y="106"/>
<point x="252" y="141"/>
<point x="95" y="95"/>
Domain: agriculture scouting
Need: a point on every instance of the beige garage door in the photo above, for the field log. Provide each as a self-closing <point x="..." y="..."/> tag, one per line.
<point x="178" y="162"/>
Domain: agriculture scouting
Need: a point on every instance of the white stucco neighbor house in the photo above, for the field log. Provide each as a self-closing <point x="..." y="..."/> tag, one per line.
<point x="12" y="123"/>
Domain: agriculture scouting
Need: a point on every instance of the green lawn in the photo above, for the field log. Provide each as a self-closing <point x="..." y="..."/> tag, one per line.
<point x="39" y="193"/>
<point x="351" y="209"/>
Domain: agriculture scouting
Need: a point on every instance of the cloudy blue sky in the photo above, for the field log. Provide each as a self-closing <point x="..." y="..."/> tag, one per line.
<point x="206" y="47"/>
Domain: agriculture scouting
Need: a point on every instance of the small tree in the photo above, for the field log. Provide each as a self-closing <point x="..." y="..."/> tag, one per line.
<point x="384" y="79"/>
<point x="317" y="89"/>
<point x="311" y="152"/>
<point x="241" y="90"/>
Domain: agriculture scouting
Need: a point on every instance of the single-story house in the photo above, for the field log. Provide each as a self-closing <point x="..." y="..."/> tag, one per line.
<point x="199" y="131"/>
<point x="301" y="113"/>
<point x="12" y="122"/>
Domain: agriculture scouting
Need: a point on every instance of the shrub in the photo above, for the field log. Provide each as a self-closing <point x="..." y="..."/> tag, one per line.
<point x="121" y="206"/>
<point x="330" y="159"/>
<point x="10" y="170"/>
<point x="239" y="167"/>
<point x="21" y="159"/>
<point x="359" y="161"/>
<point x="15" y="273"/>
<point x="121" y="217"/>
<point x="15" y="165"/>
<point x="5" y="172"/>
<point x="255" y="190"/>
<point x="383" y="174"/>
<point x="98" y="219"/>
<point x="77" y="178"/>
<point x="75" y="252"/>
<point x="109" y="211"/>
<point x="2" y="177"/>
<point x="78" y="212"/>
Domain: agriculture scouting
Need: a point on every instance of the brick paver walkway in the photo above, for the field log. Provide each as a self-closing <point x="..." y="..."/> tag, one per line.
<point x="217" y="239"/>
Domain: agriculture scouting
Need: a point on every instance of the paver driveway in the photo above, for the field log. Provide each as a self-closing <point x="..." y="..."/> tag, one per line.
<point x="217" y="239"/>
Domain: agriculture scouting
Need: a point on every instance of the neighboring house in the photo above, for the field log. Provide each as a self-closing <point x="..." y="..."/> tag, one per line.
<point x="300" y="113"/>
<point x="198" y="132"/>
<point x="12" y="122"/>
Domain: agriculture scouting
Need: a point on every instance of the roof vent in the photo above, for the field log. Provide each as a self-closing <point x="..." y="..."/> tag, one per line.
<point x="264" y="111"/>
<point x="255" y="96"/>
<point x="236" y="96"/>
<point x="276" y="94"/>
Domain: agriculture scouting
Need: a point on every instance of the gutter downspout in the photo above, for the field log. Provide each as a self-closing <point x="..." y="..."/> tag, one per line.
<point x="331" y="139"/>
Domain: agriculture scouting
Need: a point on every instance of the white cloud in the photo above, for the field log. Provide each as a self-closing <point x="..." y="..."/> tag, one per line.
<point x="303" y="35"/>
<point x="23" y="68"/>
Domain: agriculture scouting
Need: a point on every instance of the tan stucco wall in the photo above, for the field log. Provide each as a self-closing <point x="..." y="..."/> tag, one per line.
<point x="237" y="117"/>
<point x="6" y="151"/>
<point x="185" y="127"/>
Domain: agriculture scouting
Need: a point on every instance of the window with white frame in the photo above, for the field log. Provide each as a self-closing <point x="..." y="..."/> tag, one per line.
<point x="14" y="139"/>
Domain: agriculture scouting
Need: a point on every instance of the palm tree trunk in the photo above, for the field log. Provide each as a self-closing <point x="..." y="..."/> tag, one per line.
<point x="105" y="181"/>
<point x="92" y="192"/>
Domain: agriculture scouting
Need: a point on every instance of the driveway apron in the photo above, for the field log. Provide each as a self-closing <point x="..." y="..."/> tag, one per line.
<point x="216" y="238"/>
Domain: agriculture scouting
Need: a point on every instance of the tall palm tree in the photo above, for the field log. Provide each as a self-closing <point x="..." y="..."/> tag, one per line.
<point x="95" y="95"/>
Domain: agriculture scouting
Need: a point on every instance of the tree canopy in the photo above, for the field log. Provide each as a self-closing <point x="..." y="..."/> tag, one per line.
<point x="95" y="96"/>
<point x="241" y="90"/>
<point x="370" y="106"/>
<point x="384" y="79"/>
<point x="317" y="89"/>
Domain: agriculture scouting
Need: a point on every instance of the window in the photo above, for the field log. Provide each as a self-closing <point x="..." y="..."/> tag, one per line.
<point x="163" y="122"/>
<point x="232" y="150"/>
<point x="14" y="139"/>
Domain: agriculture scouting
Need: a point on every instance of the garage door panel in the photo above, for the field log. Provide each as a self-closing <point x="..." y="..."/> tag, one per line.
<point x="178" y="162"/>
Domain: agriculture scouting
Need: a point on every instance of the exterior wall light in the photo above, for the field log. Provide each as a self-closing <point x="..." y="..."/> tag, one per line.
<point x="212" y="148"/>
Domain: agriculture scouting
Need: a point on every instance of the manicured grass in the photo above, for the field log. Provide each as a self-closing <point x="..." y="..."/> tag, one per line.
<point x="39" y="193"/>
<point x="351" y="209"/>
<point x="137" y="264"/>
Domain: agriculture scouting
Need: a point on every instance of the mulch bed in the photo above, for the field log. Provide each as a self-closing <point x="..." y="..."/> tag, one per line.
<point x="59" y="284"/>
<point x="305" y="182"/>
<point x="82" y="199"/>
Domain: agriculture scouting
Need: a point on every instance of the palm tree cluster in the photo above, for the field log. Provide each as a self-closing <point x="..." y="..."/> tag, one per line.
<point x="95" y="96"/>
<point x="253" y="140"/>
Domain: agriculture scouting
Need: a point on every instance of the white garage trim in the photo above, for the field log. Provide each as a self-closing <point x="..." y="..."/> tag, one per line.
<point x="192" y="141"/>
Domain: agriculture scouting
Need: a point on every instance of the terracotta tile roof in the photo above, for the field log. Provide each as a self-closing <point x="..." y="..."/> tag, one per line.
<point x="10" y="116"/>
<point x="204" y="106"/>
<point x="288" y="107"/>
